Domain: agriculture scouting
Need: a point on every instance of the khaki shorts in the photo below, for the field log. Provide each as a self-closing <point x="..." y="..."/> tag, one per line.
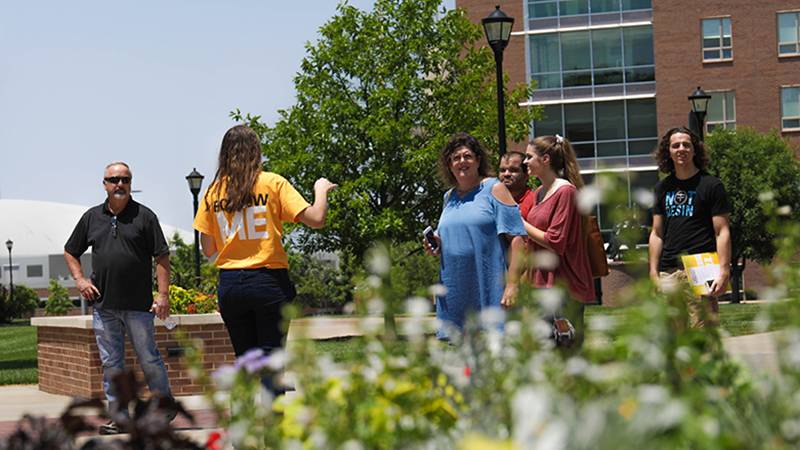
<point x="703" y="311"/>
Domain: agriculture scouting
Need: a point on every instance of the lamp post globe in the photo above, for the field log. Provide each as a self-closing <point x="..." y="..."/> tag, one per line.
<point x="497" y="27"/>
<point x="195" y="180"/>
<point x="9" y="246"/>
<point x="699" y="101"/>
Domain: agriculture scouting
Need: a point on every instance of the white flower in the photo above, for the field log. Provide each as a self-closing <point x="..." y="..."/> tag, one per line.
<point x="438" y="290"/>
<point x="545" y="260"/>
<point x="761" y="321"/>
<point x="225" y="376"/>
<point x="492" y="317"/>
<point x="378" y="262"/>
<point x="373" y="281"/>
<point x="375" y="306"/>
<point x="553" y="437"/>
<point x="683" y="354"/>
<point x="531" y="411"/>
<point x="653" y="393"/>
<point x="766" y="196"/>
<point x="576" y="366"/>
<point x="773" y="293"/>
<point x="265" y="398"/>
<point x="352" y="444"/>
<point x="588" y="198"/>
<point x="349" y="308"/>
<point x="550" y="299"/>
<point x="418" y="306"/>
<point x="601" y="322"/>
<point x="644" y="197"/>
<point x="277" y="360"/>
<point x="710" y="426"/>
<point x="237" y="431"/>
<point x="784" y="210"/>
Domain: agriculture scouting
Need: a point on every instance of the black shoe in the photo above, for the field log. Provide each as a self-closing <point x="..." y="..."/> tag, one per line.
<point x="110" y="428"/>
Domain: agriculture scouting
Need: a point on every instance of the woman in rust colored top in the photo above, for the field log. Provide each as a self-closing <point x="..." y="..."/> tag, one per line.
<point x="555" y="225"/>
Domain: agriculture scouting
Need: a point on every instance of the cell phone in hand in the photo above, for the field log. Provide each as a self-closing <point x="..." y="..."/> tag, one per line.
<point x="428" y="233"/>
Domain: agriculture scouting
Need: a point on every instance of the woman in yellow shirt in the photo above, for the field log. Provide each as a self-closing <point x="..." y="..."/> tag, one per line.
<point x="240" y="220"/>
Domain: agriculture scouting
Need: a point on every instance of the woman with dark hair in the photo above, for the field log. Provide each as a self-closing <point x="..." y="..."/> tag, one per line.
<point x="478" y="223"/>
<point x="240" y="220"/>
<point x="555" y="225"/>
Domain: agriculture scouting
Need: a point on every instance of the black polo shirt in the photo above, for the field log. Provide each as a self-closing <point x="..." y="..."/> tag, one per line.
<point x="122" y="255"/>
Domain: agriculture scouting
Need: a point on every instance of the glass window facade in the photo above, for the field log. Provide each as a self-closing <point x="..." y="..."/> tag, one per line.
<point x="592" y="57"/>
<point x="721" y="111"/>
<point x="604" y="134"/>
<point x="790" y="108"/>
<point x="789" y="33"/>
<point x="554" y="8"/>
<point x="717" y="39"/>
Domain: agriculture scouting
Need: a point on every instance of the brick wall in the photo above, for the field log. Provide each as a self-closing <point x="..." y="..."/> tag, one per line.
<point x="69" y="362"/>
<point x="756" y="72"/>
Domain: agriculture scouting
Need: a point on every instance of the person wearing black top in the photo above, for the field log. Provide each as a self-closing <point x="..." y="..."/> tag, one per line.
<point x="125" y="237"/>
<point x="690" y="216"/>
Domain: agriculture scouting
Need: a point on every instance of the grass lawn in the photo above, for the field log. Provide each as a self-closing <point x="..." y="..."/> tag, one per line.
<point x="18" y="353"/>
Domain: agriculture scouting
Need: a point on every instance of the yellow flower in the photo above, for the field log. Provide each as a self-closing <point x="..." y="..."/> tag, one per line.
<point x="476" y="441"/>
<point x="627" y="408"/>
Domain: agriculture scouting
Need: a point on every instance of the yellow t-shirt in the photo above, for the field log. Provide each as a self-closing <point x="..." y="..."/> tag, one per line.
<point x="251" y="238"/>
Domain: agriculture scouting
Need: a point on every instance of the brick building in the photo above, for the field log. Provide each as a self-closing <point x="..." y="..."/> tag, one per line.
<point x="611" y="74"/>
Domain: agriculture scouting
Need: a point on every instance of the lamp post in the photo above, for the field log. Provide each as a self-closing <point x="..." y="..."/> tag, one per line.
<point x="195" y="180"/>
<point x="9" y="246"/>
<point x="699" y="101"/>
<point x="497" y="27"/>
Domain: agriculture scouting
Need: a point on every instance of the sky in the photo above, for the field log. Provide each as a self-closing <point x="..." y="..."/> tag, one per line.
<point x="147" y="82"/>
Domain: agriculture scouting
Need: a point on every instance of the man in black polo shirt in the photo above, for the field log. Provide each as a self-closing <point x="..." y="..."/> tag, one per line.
<point x="125" y="236"/>
<point x="690" y="216"/>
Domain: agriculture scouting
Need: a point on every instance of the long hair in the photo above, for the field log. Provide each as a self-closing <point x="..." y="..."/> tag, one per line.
<point x="663" y="159"/>
<point x="238" y="168"/>
<point x="562" y="157"/>
<point x="458" y="141"/>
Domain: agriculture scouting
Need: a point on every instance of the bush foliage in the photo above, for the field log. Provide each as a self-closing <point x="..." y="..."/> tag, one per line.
<point x="22" y="305"/>
<point x="58" y="303"/>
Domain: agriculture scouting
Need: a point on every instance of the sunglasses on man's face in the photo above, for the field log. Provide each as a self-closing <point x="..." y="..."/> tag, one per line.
<point x="115" y="180"/>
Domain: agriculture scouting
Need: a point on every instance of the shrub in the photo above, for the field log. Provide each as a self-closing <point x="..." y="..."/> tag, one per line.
<point x="58" y="303"/>
<point x="319" y="284"/>
<point x="23" y="304"/>
<point x="190" y="301"/>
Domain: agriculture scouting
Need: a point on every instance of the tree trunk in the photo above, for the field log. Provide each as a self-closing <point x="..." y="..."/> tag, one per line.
<point x="736" y="280"/>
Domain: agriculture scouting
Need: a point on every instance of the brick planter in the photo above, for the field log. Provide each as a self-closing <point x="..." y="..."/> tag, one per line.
<point x="69" y="362"/>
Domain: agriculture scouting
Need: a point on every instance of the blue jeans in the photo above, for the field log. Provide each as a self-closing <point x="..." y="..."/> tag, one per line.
<point x="110" y="327"/>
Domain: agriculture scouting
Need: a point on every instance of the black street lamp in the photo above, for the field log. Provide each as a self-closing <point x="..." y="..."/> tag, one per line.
<point x="9" y="246"/>
<point x="497" y="27"/>
<point x="699" y="100"/>
<point x="195" y="180"/>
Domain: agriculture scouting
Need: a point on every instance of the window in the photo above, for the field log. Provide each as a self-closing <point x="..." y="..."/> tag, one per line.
<point x="618" y="132"/>
<point x="790" y="108"/>
<point x="717" y="40"/>
<point x="595" y="57"/>
<point x="789" y="34"/>
<point x="35" y="271"/>
<point x="721" y="111"/>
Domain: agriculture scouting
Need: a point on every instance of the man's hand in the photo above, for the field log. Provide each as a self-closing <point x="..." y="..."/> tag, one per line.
<point x="161" y="306"/>
<point x="88" y="290"/>
<point x="719" y="286"/>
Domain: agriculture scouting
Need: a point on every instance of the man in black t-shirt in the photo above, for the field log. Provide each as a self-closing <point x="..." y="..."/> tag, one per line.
<point x="690" y="216"/>
<point x="125" y="237"/>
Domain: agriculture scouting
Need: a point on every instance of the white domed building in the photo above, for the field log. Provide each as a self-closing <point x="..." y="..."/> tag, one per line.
<point x="39" y="230"/>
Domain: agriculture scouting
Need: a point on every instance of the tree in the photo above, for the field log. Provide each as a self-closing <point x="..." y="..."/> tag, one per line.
<point x="378" y="96"/>
<point x="23" y="304"/>
<point x="58" y="303"/>
<point x="749" y="165"/>
<point x="181" y="263"/>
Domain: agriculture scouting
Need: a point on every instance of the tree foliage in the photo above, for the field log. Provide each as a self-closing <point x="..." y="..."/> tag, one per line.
<point x="181" y="263"/>
<point x="58" y="303"/>
<point x="378" y="96"/>
<point x="752" y="165"/>
<point x="23" y="304"/>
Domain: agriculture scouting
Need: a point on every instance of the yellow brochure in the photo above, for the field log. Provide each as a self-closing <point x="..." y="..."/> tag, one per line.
<point x="701" y="269"/>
